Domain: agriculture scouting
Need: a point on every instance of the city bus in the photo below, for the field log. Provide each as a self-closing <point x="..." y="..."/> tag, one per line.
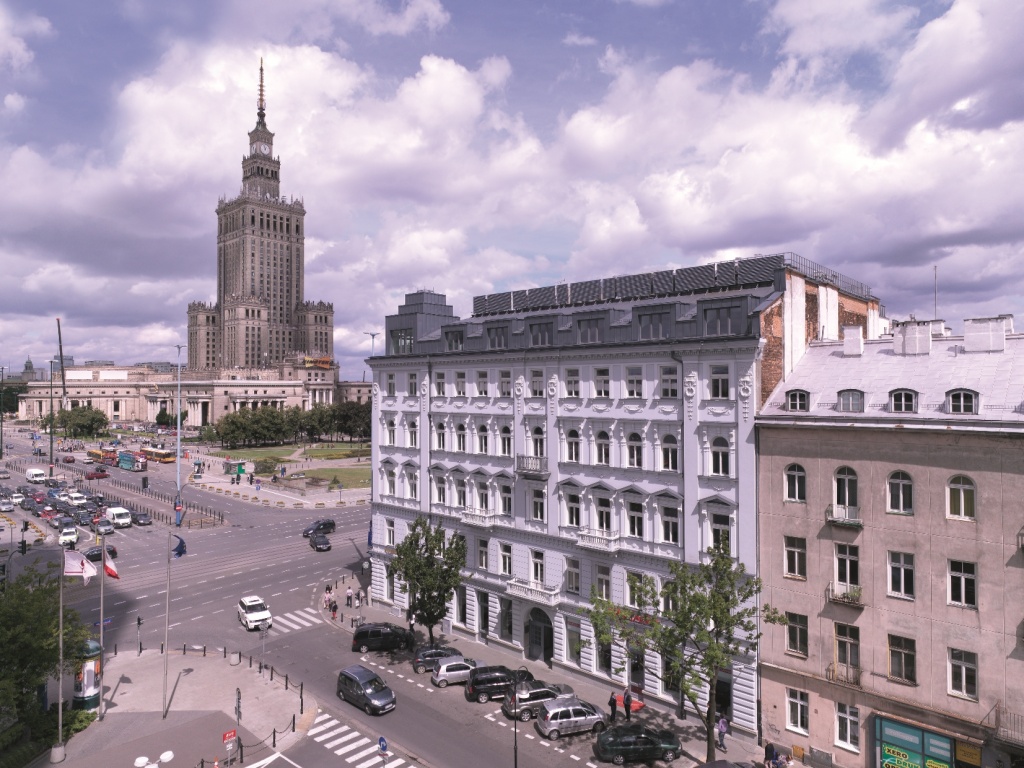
<point x="95" y="454"/>
<point x="132" y="461"/>
<point x="159" y="455"/>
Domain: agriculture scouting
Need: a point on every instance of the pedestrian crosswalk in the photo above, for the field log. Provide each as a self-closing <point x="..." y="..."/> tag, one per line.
<point x="349" y="744"/>
<point x="289" y="622"/>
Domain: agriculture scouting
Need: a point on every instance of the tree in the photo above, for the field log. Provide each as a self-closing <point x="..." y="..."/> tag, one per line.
<point x="29" y="636"/>
<point x="83" y="421"/>
<point x="702" y="618"/>
<point x="431" y="569"/>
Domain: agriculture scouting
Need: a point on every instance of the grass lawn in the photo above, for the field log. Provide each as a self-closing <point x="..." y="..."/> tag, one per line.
<point x="338" y="451"/>
<point x="350" y="477"/>
<point x="278" y="452"/>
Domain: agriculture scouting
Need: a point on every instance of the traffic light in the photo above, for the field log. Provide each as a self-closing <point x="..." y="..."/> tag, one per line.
<point x="23" y="547"/>
<point x="138" y="621"/>
<point x="24" y="526"/>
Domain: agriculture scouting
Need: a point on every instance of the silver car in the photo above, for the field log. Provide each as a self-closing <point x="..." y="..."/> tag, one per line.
<point x="452" y="669"/>
<point x="559" y="717"/>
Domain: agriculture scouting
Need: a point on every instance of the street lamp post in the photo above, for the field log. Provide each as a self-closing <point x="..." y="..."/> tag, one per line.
<point x="52" y="420"/>
<point x="515" y="721"/>
<point x="177" y="457"/>
<point x="2" y="367"/>
<point x="373" y="338"/>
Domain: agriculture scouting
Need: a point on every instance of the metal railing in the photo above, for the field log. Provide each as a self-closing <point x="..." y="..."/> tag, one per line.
<point x="844" y="674"/>
<point x="840" y="514"/>
<point x="847" y="594"/>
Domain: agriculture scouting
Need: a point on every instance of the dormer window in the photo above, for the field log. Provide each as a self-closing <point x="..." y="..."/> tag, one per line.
<point x="797" y="400"/>
<point x="962" y="401"/>
<point x="903" y="401"/>
<point x="851" y="401"/>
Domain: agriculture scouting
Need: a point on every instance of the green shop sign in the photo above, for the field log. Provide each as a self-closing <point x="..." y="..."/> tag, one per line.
<point x="904" y="746"/>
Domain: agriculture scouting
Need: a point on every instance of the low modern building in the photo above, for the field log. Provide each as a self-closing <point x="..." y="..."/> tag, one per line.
<point x="354" y="391"/>
<point x="890" y="532"/>
<point x="578" y="434"/>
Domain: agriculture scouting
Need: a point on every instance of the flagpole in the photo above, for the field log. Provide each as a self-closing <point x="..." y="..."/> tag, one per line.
<point x="57" y="752"/>
<point x="103" y="580"/>
<point x="167" y="620"/>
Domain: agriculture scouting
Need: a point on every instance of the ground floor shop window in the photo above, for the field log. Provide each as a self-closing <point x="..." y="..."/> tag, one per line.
<point x="573" y="643"/>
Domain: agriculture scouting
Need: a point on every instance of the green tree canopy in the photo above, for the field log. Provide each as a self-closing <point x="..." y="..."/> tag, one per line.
<point x="431" y="569"/>
<point x="702" y="618"/>
<point x="83" y="421"/>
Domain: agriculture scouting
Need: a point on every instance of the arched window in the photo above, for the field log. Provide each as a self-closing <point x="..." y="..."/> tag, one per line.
<point x="796" y="483"/>
<point x="604" y="451"/>
<point x="391" y="432"/>
<point x="481" y="439"/>
<point x="460" y="438"/>
<point x="506" y="441"/>
<point x="720" y="456"/>
<point x="440" y="435"/>
<point x="903" y="401"/>
<point x="413" y="434"/>
<point x="636" y="450"/>
<point x="961" y="497"/>
<point x="851" y="401"/>
<point x="670" y="453"/>
<point x="901" y="493"/>
<point x="572" y="446"/>
<point x="797" y="400"/>
<point x="846" y="487"/>
<point x="538" y="441"/>
<point x="962" y="401"/>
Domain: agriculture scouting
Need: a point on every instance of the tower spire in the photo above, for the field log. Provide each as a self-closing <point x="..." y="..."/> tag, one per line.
<point x="261" y="102"/>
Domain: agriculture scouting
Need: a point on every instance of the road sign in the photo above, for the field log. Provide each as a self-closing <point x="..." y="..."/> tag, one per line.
<point x="382" y="744"/>
<point x="229" y="736"/>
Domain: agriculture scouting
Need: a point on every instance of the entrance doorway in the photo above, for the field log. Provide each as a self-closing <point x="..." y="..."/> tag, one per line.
<point x="483" y="624"/>
<point x="723" y="693"/>
<point x="542" y="636"/>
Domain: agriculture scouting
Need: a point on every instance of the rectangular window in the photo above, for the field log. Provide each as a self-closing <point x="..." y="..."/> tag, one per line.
<point x="963" y="673"/>
<point x="460" y="383"/>
<point x="412" y="390"/>
<point x="505" y="383"/>
<point x="538" y="505"/>
<point x="720" y="530"/>
<point x="481" y="554"/>
<point x="962" y="584"/>
<point x="901" y="575"/>
<point x="483" y="499"/>
<point x="798" y="706"/>
<point x="902" y="658"/>
<point x="723" y="321"/>
<point x="589" y="330"/>
<point x="719" y="382"/>
<point x="497" y="338"/>
<point x="391" y="385"/>
<point x="848" y="565"/>
<point x="453" y="341"/>
<point x="635" y="513"/>
<point x="848" y="726"/>
<point x="389" y="532"/>
<point x="481" y="384"/>
<point x="602" y="382"/>
<point x="634" y="381"/>
<point x="460" y="493"/>
<point x="669" y="381"/>
<point x="796" y="557"/>
<point x="634" y="581"/>
<point x="847" y="648"/>
<point x="506" y="559"/>
<point x="653" y="325"/>
<point x="439" y="383"/>
<point x="604" y="515"/>
<point x="572" y="382"/>
<point x="572" y="510"/>
<point x="506" y="499"/>
<point x="572" y="576"/>
<point x="413" y="484"/>
<point x="440" y="494"/>
<point x="537" y="568"/>
<point x="401" y="341"/>
<point x="796" y="633"/>
<point x="536" y="383"/>
<point x="506" y="442"/>
<point x="542" y="334"/>
<point x="604" y="582"/>
<point x="670" y="525"/>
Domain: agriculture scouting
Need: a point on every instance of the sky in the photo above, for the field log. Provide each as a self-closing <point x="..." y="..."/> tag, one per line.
<point x="472" y="146"/>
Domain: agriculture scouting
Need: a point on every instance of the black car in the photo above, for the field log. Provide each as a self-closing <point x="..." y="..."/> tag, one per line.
<point x="93" y="553"/>
<point x="141" y="518"/>
<point x="426" y="656"/>
<point x="486" y="683"/>
<point x="319" y="542"/>
<point x="320" y="526"/>
<point x="83" y="516"/>
<point x="381" y="636"/>
<point x="636" y="744"/>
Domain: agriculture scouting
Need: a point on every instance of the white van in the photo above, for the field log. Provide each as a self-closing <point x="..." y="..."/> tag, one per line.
<point x="119" y="517"/>
<point x="77" y="499"/>
<point x="35" y="475"/>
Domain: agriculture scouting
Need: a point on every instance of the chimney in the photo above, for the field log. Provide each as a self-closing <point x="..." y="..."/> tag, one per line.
<point x="853" y="341"/>
<point x="913" y="337"/>
<point x="987" y="334"/>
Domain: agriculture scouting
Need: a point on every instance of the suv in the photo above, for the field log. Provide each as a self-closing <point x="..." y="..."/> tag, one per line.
<point x="486" y="683"/>
<point x="426" y="656"/>
<point x="141" y="518"/>
<point x="252" y="611"/>
<point x="364" y="688"/>
<point x="525" y="699"/>
<point x="453" y="669"/>
<point x="559" y="717"/>
<point x="68" y="535"/>
<point x="380" y="637"/>
<point x="320" y="526"/>
<point x="636" y="744"/>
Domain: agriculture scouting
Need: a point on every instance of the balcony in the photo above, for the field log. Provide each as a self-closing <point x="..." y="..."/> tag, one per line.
<point x="847" y="594"/>
<point x="1008" y="726"/>
<point x="838" y="514"/>
<point x="385" y="550"/>
<point x="485" y="518"/>
<point x="594" y="538"/>
<point x="844" y="674"/>
<point x="536" y="593"/>
<point x="532" y="467"/>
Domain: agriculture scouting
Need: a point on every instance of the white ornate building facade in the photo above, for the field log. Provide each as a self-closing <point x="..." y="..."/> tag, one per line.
<point x="578" y="434"/>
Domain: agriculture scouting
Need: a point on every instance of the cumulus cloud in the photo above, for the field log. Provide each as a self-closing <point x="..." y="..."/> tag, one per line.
<point x="574" y="39"/>
<point x="14" y="103"/>
<point x="15" y="31"/>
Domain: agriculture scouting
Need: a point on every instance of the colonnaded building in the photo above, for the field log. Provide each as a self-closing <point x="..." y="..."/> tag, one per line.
<point x="261" y="344"/>
<point x="581" y="433"/>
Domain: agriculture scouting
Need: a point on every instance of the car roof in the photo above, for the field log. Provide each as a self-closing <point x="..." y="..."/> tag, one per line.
<point x="252" y="599"/>
<point x="360" y="673"/>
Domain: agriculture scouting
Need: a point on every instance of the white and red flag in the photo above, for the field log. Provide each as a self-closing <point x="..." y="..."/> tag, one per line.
<point x="75" y="564"/>
<point x="108" y="566"/>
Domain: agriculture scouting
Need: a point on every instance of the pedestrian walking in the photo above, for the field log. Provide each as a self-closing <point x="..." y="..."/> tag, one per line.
<point x="348" y="597"/>
<point x="334" y="610"/>
<point x="627" y="702"/>
<point x="327" y="598"/>
<point x="613" y="703"/>
<point x="357" y="599"/>
<point x="722" y="726"/>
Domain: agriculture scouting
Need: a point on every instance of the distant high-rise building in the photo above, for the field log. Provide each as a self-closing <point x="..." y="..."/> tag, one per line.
<point x="261" y="316"/>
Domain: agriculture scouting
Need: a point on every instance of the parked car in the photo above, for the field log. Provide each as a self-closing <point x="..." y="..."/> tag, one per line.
<point x="252" y="611"/>
<point x="382" y="636"/>
<point x="559" y="717"/>
<point x="97" y="474"/>
<point x="319" y="542"/>
<point x="453" y="669"/>
<point x="426" y="656"/>
<point x="524" y="700"/>
<point x="364" y="688"/>
<point x="93" y="553"/>
<point x="102" y="525"/>
<point x="320" y="526"/>
<point x="636" y="744"/>
<point x="486" y="683"/>
<point x="141" y="518"/>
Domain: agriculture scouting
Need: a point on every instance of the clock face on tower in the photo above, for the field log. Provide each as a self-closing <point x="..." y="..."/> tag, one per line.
<point x="265" y="149"/>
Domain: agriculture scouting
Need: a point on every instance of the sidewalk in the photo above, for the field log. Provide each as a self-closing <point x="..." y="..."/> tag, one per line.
<point x="742" y="749"/>
<point x="201" y="702"/>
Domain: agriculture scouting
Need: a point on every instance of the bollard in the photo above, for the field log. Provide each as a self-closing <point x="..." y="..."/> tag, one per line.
<point x="274" y="742"/>
<point x="301" y="701"/>
<point x="161" y="649"/>
<point x="184" y="649"/>
<point x="285" y="680"/>
<point x="204" y="651"/>
<point x="140" y="649"/>
<point x="271" y="674"/>
<point x="115" y="649"/>
<point x="225" y="651"/>
<point x="250" y="661"/>
<point x="293" y="723"/>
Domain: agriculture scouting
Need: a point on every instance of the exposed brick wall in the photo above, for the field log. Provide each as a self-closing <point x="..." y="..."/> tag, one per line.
<point x="772" y="356"/>
<point x="812" y="317"/>
<point x="852" y="312"/>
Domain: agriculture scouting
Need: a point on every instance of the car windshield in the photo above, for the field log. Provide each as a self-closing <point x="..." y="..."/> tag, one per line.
<point x="255" y="607"/>
<point x="375" y="686"/>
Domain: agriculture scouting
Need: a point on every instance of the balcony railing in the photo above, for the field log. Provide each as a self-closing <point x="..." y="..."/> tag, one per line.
<point x="847" y="594"/>
<point x="843" y="673"/>
<point x="485" y="518"/>
<point x="1008" y="726"/>
<point x="536" y="593"/>
<point x="532" y="466"/>
<point x="838" y="514"/>
<point x="594" y="538"/>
